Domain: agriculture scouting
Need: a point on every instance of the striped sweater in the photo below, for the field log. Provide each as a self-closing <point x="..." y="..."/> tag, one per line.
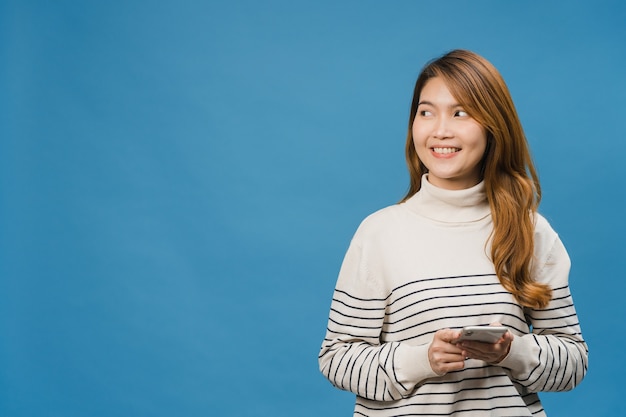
<point x="423" y="265"/>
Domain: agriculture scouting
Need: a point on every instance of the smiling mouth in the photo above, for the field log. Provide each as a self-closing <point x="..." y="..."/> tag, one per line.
<point x="444" y="151"/>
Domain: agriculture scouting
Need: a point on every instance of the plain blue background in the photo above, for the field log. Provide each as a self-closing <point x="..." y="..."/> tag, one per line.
<point x="180" y="180"/>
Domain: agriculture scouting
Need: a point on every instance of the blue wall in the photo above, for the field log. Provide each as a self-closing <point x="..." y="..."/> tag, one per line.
<point x="180" y="180"/>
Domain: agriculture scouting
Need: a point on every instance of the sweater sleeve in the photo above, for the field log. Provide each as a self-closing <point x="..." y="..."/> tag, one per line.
<point x="352" y="356"/>
<point x="554" y="356"/>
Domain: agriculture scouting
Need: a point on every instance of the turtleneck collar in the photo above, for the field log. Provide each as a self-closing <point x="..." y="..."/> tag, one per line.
<point x="450" y="206"/>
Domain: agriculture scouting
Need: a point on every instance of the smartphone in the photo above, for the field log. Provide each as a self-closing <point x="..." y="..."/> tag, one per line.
<point x="487" y="334"/>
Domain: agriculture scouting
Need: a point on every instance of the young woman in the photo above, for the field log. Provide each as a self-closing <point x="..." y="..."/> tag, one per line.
<point x="465" y="247"/>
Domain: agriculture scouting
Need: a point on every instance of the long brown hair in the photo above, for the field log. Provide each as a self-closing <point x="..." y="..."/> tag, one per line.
<point x="511" y="181"/>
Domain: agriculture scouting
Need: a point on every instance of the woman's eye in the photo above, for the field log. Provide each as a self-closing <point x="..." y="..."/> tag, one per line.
<point x="425" y="113"/>
<point x="461" y="113"/>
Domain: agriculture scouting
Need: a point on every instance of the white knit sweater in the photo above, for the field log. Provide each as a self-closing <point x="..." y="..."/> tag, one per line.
<point x="423" y="265"/>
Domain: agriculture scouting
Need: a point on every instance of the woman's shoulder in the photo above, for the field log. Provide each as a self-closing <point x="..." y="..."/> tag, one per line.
<point x="380" y="220"/>
<point x="547" y="240"/>
<point x="383" y="214"/>
<point x="550" y="254"/>
<point x="543" y="226"/>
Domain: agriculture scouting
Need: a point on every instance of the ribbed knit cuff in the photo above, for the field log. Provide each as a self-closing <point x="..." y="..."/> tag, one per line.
<point x="522" y="357"/>
<point x="412" y="365"/>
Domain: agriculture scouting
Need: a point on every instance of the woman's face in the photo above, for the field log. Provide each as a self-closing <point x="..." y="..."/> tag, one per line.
<point x="448" y="141"/>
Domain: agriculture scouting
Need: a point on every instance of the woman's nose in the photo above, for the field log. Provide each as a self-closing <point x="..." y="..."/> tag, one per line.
<point x="442" y="128"/>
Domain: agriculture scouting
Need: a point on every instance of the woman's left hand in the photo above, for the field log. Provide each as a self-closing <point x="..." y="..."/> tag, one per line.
<point x="492" y="353"/>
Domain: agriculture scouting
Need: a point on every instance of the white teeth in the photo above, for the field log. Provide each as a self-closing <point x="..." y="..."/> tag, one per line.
<point x="446" y="150"/>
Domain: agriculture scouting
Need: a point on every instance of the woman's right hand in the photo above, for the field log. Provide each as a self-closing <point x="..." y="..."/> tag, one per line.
<point x="444" y="356"/>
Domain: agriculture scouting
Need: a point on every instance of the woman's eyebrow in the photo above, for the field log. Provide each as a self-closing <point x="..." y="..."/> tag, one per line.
<point x="428" y="103"/>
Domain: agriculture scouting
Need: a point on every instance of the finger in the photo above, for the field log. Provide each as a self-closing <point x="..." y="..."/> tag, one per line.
<point x="473" y="354"/>
<point x="474" y="345"/>
<point x="446" y="348"/>
<point x="453" y="366"/>
<point x="450" y="363"/>
<point x="445" y="354"/>
<point x="451" y="357"/>
<point x="508" y="337"/>
<point x="448" y="335"/>
<point x="485" y="348"/>
<point x="487" y="352"/>
<point x="484" y="356"/>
